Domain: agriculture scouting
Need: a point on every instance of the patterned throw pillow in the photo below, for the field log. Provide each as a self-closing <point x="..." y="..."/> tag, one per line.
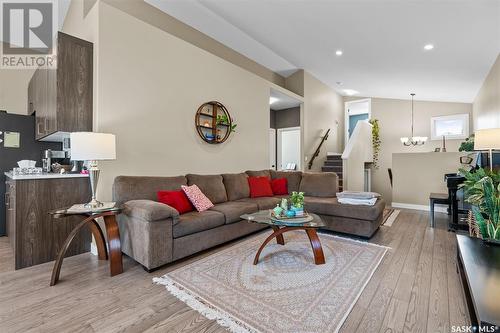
<point x="197" y="198"/>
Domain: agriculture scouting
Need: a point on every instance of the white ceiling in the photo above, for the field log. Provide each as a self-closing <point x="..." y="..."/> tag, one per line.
<point x="282" y="101"/>
<point x="382" y="41"/>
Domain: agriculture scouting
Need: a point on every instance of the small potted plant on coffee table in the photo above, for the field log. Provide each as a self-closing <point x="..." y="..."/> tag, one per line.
<point x="297" y="200"/>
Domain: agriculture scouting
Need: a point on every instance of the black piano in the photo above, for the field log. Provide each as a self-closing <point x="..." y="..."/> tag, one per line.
<point x="453" y="181"/>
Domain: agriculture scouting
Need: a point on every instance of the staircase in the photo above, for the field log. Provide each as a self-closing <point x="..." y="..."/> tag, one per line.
<point x="333" y="163"/>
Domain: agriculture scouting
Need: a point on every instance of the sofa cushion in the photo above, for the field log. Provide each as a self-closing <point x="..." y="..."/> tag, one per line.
<point x="194" y="222"/>
<point x="176" y="199"/>
<point x="279" y="186"/>
<point x="236" y="185"/>
<point x="322" y="184"/>
<point x="197" y="198"/>
<point x="232" y="210"/>
<point x="149" y="210"/>
<point x="330" y="206"/>
<point x="259" y="173"/>
<point x="293" y="178"/>
<point x="211" y="185"/>
<point x="263" y="202"/>
<point x="260" y="187"/>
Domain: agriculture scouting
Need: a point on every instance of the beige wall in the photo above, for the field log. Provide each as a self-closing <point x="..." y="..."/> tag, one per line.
<point x="394" y="119"/>
<point x="486" y="107"/>
<point x="150" y="86"/>
<point x="14" y="90"/>
<point x="416" y="175"/>
<point x="323" y="109"/>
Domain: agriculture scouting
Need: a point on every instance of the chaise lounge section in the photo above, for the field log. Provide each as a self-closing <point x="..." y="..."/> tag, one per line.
<point x="155" y="234"/>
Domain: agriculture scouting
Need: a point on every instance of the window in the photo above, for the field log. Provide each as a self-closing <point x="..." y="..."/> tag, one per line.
<point x="452" y="127"/>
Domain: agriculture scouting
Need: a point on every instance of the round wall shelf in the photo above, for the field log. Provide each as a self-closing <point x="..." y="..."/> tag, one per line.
<point x="213" y="122"/>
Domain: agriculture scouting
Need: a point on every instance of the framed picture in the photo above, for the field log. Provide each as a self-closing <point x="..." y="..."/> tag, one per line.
<point x="451" y="127"/>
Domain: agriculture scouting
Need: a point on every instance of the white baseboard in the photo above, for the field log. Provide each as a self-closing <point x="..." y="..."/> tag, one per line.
<point x="437" y="208"/>
<point x="93" y="248"/>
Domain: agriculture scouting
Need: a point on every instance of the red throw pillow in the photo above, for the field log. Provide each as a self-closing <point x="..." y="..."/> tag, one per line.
<point x="279" y="186"/>
<point x="176" y="199"/>
<point x="260" y="187"/>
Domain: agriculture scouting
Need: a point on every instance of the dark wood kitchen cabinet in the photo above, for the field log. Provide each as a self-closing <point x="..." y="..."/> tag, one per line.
<point x="35" y="236"/>
<point x="61" y="98"/>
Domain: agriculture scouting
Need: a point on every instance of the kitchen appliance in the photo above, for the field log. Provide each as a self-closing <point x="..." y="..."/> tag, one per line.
<point x="17" y="142"/>
<point x="50" y="157"/>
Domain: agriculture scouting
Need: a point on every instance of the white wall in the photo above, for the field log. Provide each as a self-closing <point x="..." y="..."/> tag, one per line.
<point x="323" y="109"/>
<point x="486" y="107"/>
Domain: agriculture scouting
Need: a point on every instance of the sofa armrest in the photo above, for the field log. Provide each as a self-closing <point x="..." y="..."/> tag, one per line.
<point x="148" y="210"/>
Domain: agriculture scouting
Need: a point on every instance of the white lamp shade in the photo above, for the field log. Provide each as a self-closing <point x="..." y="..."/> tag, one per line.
<point x="487" y="139"/>
<point x="90" y="146"/>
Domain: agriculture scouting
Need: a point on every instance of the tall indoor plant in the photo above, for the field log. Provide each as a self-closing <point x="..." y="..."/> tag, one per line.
<point x="482" y="191"/>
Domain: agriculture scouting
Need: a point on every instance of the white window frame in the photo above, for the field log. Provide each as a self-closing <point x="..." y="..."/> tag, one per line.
<point x="463" y="117"/>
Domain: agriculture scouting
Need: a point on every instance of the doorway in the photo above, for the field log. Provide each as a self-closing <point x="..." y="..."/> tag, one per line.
<point x="358" y="110"/>
<point x="288" y="140"/>
<point x="285" y="134"/>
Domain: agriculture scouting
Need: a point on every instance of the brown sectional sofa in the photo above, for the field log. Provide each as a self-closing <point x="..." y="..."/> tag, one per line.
<point x="154" y="234"/>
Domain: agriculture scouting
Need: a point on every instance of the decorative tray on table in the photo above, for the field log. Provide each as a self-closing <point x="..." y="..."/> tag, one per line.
<point x="305" y="218"/>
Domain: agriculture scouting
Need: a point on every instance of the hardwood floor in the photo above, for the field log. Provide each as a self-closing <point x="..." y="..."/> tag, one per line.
<point x="416" y="288"/>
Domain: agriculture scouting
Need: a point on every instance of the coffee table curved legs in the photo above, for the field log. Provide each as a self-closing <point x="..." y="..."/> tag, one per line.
<point x="319" y="257"/>
<point x="114" y="244"/>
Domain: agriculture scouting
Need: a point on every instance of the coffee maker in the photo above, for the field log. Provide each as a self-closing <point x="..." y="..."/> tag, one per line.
<point x="51" y="157"/>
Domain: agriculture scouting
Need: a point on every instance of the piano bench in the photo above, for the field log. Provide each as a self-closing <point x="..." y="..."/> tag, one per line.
<point x="437" y="198"/>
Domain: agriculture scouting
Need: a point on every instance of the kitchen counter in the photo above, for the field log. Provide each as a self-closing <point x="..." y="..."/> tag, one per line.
<point x="44" y="176"/>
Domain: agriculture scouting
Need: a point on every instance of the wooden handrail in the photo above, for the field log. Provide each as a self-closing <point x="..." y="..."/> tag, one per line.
<point x="316" y="153"/>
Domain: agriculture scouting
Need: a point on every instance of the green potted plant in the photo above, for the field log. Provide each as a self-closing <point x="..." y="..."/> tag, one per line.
<point x="297" y="203"/>
<point x="482" y="190"/>
<point x="376" y="142"/>
<point x="467" y="145"/>
<point x="488" y="215"/>
<point x="223" y="119"/>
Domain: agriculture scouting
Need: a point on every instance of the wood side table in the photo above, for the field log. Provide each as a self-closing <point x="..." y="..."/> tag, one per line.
<point x="113" y="237"/>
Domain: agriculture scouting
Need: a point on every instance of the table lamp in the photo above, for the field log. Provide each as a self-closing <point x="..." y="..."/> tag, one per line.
<point x="93" y="147"/>
<point x="487" y="139"/>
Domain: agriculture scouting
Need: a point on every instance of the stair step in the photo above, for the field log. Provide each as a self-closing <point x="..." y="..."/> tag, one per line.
<point x="332" y="169"/>
<point x="334" y="157"/>
<point x="333" y="163"/>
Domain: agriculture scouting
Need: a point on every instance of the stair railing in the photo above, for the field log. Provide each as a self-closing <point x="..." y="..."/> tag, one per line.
<point x="316" y="153"/>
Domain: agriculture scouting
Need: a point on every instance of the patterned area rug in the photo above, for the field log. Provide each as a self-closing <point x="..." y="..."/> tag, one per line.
<point x="285" y="291"/>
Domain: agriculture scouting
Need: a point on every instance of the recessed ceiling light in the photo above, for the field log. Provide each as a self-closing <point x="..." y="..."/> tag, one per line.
<point x="428" y="47"/>
<point x="339" y="52"/>
<point x="272" y="100"/>
<point x="339" y="83"/>
<point x="350" y="92"/>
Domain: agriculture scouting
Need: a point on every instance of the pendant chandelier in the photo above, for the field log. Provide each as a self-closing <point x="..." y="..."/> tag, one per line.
<point x="413" y="140"/>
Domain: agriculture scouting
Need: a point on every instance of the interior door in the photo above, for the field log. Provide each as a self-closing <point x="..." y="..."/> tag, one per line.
<point x="288" y="147"/>
<point x="272" y="148"/>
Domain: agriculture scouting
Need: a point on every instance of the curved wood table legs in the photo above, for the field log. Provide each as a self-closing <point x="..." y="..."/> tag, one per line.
<point x="114" y="245"/>
<point x="319" y="257"/>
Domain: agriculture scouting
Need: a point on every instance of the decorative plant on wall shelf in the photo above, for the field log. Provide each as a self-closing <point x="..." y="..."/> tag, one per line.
<point x="375" y="141"/>
<point x="223" y="119"/>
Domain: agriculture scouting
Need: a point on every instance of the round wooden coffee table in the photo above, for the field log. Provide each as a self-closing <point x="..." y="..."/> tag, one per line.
<point x="279" y="228"/>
